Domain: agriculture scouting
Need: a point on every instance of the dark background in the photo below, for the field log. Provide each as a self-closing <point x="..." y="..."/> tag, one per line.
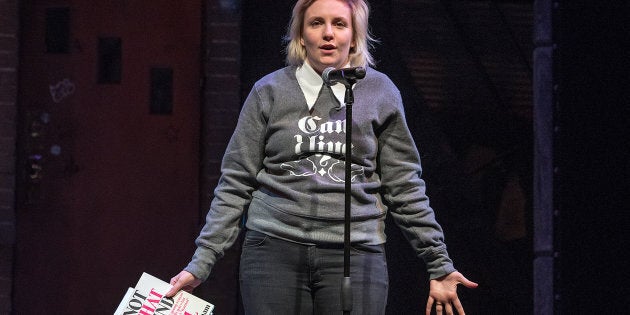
<point x="485" y="40"/>
<point x="465" y="70"/>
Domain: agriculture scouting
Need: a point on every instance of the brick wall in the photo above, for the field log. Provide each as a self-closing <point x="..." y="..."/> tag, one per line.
<point x="8" y="119"/>
<point x="221" y="89"/>
<point x="220" y="108"/>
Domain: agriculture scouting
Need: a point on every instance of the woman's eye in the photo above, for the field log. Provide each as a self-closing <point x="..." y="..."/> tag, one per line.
<point x="340" y="24"/>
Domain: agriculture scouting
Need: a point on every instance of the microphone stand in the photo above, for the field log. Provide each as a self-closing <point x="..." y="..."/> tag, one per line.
<point x="346" y="285"/>
<point x="348" y="77"/>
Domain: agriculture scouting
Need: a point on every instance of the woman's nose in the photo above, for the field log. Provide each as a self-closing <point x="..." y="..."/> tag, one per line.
<point x="328" y="32"/>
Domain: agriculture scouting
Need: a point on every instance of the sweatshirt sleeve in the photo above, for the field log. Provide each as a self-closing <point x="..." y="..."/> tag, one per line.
<point x="404" y="191"/>
<point x="241" y="162"/>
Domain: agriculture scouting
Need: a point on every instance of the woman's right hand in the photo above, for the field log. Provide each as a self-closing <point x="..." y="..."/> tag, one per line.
<point x="183" y="281"/>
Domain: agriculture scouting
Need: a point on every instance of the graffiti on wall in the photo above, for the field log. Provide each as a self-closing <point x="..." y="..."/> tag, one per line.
<point x="61" y="90"/>
<point x="43" y="148"/>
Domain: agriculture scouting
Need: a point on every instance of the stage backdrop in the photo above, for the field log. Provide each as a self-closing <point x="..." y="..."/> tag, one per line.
<point x="109" y="143"/>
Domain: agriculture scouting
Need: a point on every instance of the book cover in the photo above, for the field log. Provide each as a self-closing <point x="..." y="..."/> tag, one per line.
<point x="147" y="298"/>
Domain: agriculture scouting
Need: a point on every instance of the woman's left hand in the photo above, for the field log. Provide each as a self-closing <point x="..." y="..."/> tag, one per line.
<point x="443" y="292"/>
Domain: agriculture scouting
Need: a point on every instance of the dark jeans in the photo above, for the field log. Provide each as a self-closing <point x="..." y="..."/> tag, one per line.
<point x="285" y="278"/>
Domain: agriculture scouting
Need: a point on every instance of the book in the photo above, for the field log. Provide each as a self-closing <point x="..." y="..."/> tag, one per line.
<point x="147" y="298"/>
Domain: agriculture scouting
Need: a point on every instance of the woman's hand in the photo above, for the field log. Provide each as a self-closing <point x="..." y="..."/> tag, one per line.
<point x="183" y="281"/>
<point x="443" y="292"/>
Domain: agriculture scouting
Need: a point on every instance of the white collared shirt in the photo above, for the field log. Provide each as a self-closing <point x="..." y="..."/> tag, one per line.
<point x="311" y="83"/>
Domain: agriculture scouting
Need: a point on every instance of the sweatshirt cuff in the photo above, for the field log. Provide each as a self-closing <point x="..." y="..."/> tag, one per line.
<point x="440" y="265"/>
<point x="201" y="264"/>
<point x="438" y="272"/>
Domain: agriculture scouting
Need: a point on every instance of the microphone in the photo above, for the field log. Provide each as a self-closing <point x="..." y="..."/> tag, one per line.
<point x="346" y="76"/>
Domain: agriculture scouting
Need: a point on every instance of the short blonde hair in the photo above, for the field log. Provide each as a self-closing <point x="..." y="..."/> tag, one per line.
<point x="360" y="55"/>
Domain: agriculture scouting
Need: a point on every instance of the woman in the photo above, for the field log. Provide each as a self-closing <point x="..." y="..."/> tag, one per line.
<point x="285" y="166"/>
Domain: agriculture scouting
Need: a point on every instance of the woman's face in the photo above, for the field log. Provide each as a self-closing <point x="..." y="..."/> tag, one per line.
<point x="327" y="34"/>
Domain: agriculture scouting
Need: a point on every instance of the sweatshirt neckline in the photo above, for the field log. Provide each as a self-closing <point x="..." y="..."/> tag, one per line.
<point x="311" y="84"/>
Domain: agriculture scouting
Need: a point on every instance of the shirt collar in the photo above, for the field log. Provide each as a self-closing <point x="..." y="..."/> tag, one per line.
<point x="311" y="83"/>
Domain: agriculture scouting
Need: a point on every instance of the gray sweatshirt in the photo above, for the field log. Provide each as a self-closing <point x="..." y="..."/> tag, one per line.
<point x="284" y="170"/>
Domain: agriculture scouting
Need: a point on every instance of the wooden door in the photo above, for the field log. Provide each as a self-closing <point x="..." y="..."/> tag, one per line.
<point x="109" y="103"/>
